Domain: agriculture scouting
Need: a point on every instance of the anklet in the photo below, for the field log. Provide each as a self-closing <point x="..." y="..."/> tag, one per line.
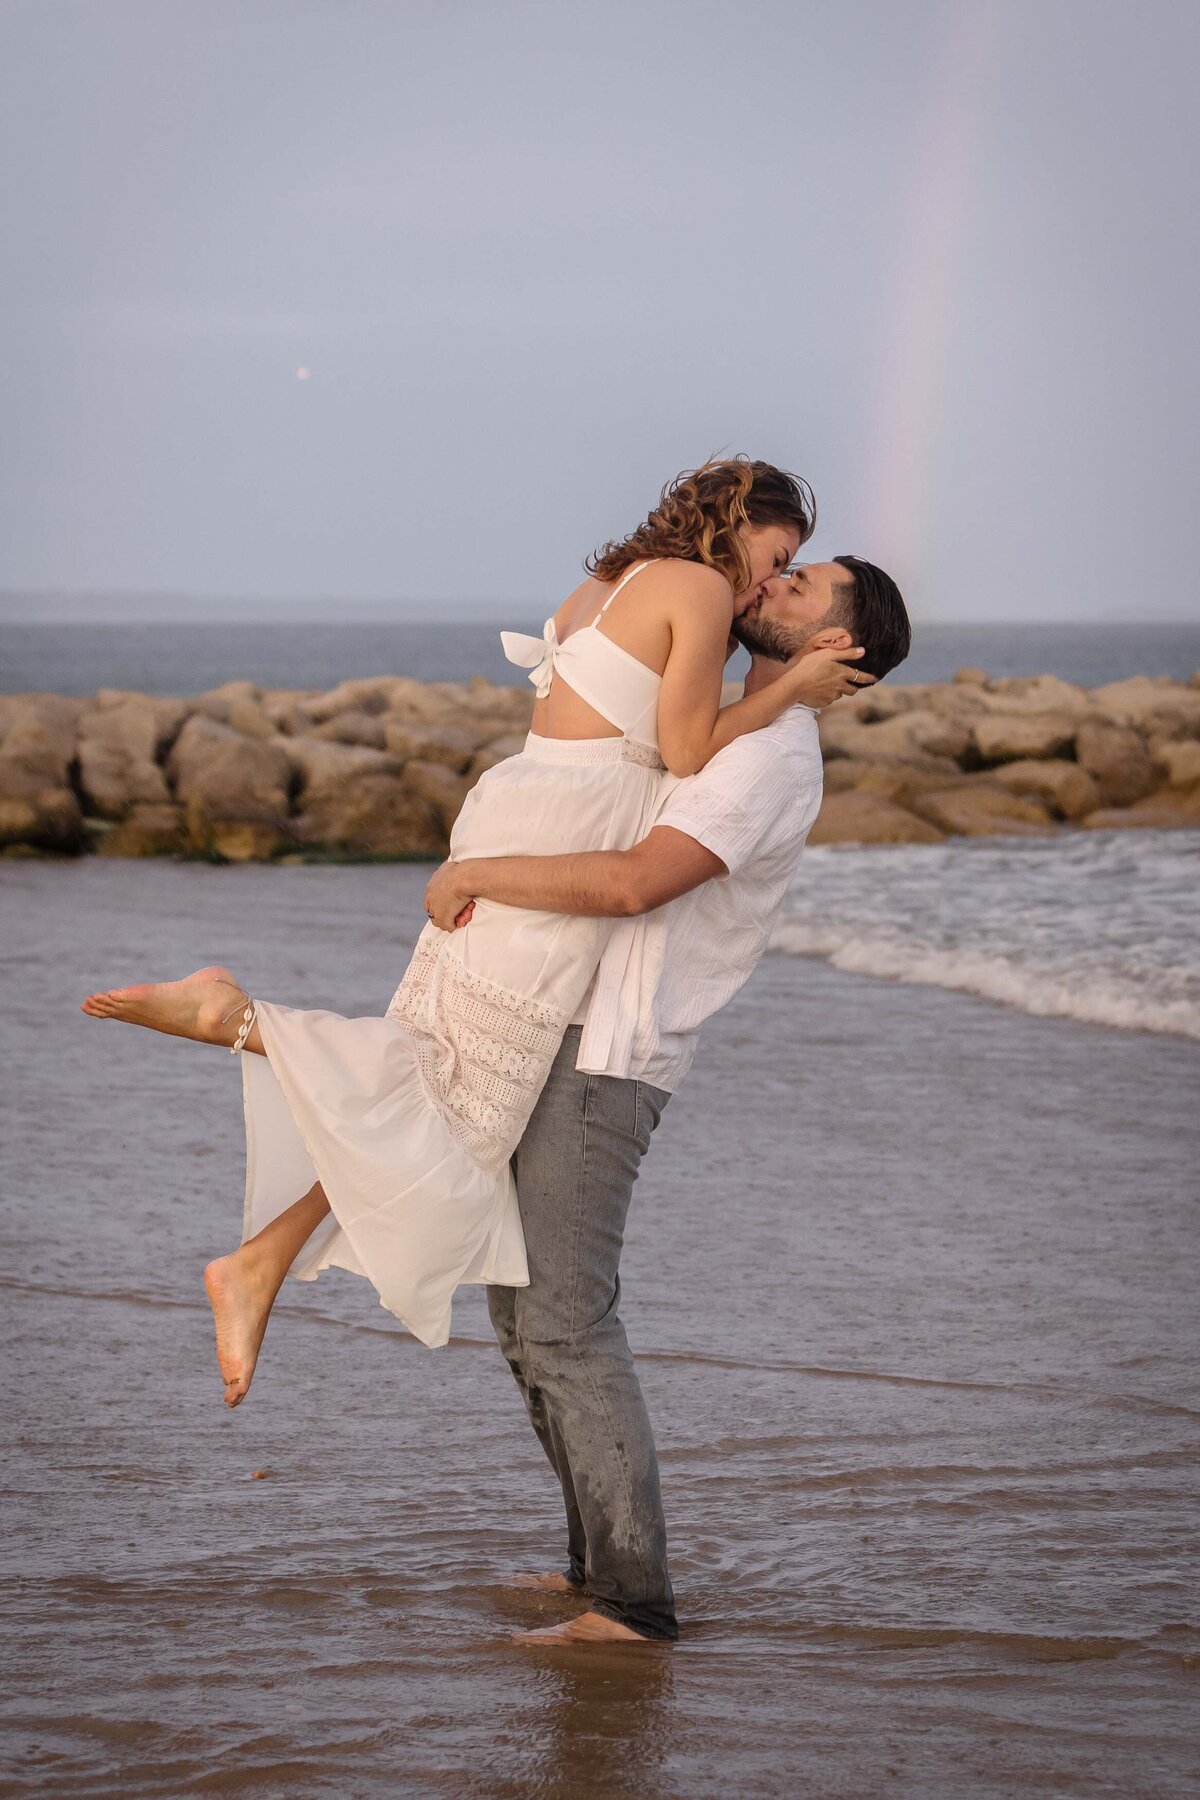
<point x="248" y="1017"/>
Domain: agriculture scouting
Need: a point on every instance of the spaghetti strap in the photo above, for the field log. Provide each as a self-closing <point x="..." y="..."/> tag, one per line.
<point x="627" y="576"/>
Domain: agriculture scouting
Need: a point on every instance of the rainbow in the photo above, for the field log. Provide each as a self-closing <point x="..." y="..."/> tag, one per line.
<point x="923" y="297"/>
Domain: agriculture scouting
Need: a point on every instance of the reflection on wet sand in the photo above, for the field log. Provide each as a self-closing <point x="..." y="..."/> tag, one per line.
<point x="602" y="1721"/>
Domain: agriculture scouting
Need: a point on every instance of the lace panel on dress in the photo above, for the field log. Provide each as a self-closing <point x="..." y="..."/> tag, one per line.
<point x="484" y="1051"/>
<point x="646" y="754"/>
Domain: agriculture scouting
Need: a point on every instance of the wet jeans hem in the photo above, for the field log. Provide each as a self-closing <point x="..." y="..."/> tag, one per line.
<point x="653" y="1633"/>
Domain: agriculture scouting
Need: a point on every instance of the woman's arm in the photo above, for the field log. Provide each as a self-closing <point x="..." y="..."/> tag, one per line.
<point x="692" y="724"/>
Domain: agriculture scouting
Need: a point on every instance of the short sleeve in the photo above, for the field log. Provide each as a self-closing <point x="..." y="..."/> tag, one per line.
<point x="750" y="799"/>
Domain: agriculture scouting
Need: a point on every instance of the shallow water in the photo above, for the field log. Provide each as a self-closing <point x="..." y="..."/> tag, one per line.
<point x="911" y="1278"/>
<point x="1101" y="926"/>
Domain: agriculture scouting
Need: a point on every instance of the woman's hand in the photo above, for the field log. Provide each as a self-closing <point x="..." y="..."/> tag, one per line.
<point x="820" y="677"/>
<point x="447" y="901"/>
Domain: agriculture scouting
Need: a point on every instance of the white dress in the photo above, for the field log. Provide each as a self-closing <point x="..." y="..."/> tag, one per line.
<point x="409" y="1121"/>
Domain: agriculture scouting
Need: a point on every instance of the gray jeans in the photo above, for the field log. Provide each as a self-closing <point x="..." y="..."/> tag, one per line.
<point x="575" y="1169"/>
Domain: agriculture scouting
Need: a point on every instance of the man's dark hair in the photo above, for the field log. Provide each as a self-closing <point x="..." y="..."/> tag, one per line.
<point x="871" y="608"/>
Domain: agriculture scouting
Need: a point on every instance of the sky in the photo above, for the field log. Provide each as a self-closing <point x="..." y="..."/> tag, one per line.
<point x="388" y="307"/>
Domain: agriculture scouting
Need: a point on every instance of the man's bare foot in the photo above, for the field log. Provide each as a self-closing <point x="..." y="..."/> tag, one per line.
<point x="204" y="1006"/>
<point x="547" y="1584"/>
<point x="241" y="1297"/>
<point x="588" y="1628"/>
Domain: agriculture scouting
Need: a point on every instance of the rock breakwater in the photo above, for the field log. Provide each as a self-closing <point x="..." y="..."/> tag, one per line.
<point x="977" y="757"/>
<point x="378" y="768"/>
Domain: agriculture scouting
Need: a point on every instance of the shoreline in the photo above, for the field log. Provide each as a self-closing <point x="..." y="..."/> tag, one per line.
<point x="377" y="769"/>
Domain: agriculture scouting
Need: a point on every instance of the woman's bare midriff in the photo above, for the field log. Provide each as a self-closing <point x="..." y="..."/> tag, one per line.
<point x="562" y="714"/>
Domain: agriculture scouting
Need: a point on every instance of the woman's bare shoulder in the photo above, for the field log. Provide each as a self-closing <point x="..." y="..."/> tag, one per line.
<point x="671" y="585"/>
<point x="678" y="575"/>
<point x="660" y="586"/>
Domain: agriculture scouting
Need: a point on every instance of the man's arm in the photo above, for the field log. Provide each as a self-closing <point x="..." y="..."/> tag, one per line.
<point x="589" y="884"/>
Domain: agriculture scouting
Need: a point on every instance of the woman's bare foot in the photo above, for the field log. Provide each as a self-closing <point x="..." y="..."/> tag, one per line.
<point x="588" y="1628"/>
<point x="548" y="1584"/>
<point x="206" y="1006"/>
<point x="242" y="1294"/>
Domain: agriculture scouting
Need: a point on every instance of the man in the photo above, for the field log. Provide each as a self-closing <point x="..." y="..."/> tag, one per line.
<point x="696" y="900"/>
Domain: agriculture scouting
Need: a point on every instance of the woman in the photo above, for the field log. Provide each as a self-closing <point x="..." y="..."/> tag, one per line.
<point x="397" y="1131"/>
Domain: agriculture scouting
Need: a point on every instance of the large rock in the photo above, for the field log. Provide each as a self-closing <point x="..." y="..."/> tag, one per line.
<point x="961" y="701"/>
<point x="120" y="742"/>
<point x="855" y="818"/>
<point x="1036" y="694"/>
<point x="148" y="830"/>
<point x="281" y="706"/>
<point x="1069" y="791"/>
<point x="1014" y="737"/>
<point x="1148" y="702"/>
<point x="893" y="778"/>
<point x="238" y="704"/>
<point x="921" y="733"/>
<point x="451" y="745"/>
<point x="359" y="727"/>
<point x="845" y="733"/>
<point x="355" y="801"/>
<point x="1180" y="762"/>
<point x="38" y="731"/>
<point x="978" y="810"/>
<point x="38" y="806"/>
<point x="374" y="694"/>
<point x="883" y="701"/>
<point x="323" y="768"/>
<point x="33" y="812"/>
<point x="1116" y="758"/>
<point x="1163" y="812"/>
<point x="234" y="790"/>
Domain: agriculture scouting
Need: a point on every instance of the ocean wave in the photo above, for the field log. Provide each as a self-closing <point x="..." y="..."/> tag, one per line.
<point x="1094" y="997"/>
<point x="1083" y="928"/>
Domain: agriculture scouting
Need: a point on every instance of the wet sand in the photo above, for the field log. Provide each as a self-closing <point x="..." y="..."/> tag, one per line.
<point x="912" y="1281"/>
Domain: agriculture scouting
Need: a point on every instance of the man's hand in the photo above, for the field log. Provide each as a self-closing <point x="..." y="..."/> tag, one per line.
<point x="447" y="901"/>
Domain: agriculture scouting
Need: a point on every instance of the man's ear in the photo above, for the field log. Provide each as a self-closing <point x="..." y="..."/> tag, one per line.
<point x="834" y="637"/>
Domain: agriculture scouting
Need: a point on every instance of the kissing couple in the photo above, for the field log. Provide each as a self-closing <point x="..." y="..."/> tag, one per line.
<point x="609" y="889"/>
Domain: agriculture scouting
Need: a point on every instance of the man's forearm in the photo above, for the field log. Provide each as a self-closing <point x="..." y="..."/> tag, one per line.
<point x="590" y="884"/>
<point x="596" y="884"/>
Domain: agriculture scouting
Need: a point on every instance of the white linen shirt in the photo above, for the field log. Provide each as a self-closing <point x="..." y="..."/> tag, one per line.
<point x="663" y="974"/>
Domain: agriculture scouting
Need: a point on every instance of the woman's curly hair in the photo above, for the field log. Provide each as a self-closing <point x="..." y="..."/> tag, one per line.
<point x="699" y="514"/>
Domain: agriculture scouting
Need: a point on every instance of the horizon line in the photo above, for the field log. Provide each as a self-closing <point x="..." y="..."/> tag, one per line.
<point x="278" y="609"/>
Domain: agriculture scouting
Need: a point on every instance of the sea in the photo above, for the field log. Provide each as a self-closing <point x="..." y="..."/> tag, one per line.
<point x="910" y="1276"/>
<point x="77" y="656"/>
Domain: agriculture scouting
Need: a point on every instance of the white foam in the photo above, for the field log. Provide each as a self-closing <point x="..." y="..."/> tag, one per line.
<point x="1079" y="928"/>
<point x="1096" y="1000"/>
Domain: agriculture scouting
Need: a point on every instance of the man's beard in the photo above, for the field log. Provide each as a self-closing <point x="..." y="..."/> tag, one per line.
<point x="762" y="637"/>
